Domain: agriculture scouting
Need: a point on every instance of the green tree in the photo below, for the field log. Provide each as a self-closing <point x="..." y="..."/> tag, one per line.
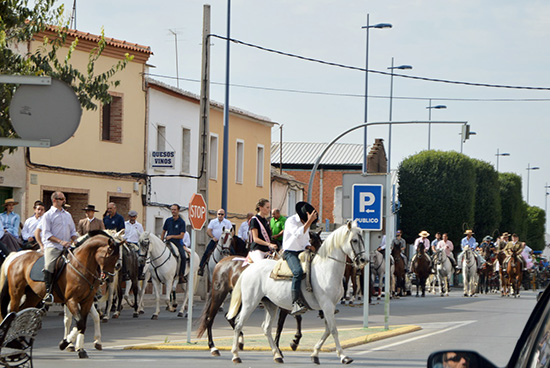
<point x="534" y="225"/>
<point x="19" y="22"/>
<point x="512" y="205"/>
<point x="436" y="193"/>
<point x="487" y="213"/>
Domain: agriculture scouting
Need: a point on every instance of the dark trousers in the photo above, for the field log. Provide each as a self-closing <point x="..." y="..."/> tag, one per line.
<point x="291" y="257"/>
<point x="183" y="255"/>
<point x="209" y="248"/>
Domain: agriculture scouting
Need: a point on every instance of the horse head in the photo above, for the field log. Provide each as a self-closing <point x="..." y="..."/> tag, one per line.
<point x="315" y="238"/>
<point x="143" y="252"/>
<point x="107" y="253"/>
<point x="118" y="238"/>
<point x="225" y="241"/>
<point x="357" y="245"/>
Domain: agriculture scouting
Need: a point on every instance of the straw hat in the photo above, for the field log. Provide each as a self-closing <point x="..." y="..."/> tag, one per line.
<point x="468" y="232"/>
<point x="10" y="201"/>
<point x="424" y="234"/>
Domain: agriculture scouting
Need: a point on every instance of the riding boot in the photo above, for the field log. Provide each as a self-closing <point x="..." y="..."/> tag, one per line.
<point x="298" y="306"/>
<point x="48" y="298"/>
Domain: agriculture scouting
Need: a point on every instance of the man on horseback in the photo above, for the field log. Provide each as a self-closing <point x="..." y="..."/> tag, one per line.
<point x="448" y="247"/>
<point x="295" y="241"/>
<point x="398" y="241"/>
<point x="90" y="222"/>
<point x="517" y="246"/>
<point x="58" y="231"/>
<point x="27" y="233"/>
<point x="113" y="220"/>
<point x="469" y="241"/>
<point x="174" y="229"/>
<point x="214" y="231"/>
<point x="421" y="241"/>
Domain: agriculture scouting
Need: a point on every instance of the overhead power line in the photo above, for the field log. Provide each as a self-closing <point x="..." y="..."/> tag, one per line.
<point x="473" y="84"/>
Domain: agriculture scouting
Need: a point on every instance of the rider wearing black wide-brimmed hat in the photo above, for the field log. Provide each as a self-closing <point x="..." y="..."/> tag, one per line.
<point x="295" y="241"/>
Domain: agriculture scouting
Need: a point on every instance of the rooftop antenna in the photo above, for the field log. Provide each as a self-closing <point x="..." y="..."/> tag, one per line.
<point x="177" y="71"/>
<point x="73" y="16"/>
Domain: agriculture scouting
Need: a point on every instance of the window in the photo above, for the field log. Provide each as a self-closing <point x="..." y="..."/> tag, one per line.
<point x="291" y="202"/>
<point x="260" y="166"/>
<point x="186" y="150"/>
<point x="161" y="138"/>
<point x="239" y="162"/>
<point x="213" y="162"/>
<point x="159" y="223"/>
<point x="111" y="120"/>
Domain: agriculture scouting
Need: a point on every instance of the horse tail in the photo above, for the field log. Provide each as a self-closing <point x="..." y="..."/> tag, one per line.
<point x="236" y="300"/>
<point x="4" y="287"/>
<point x="203" y="321"/>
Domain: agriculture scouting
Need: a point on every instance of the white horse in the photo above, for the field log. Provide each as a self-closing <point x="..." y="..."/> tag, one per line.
<point x="185" y="286"/>
<point x="327" y="270"/>
<point x="69" y="337"/>
<point x="444" y="270"/>
<point x="222" y="250"/>
<point x="469" y="272"/>
<point x="161" y="266"/>
<point x="378" y="268"/>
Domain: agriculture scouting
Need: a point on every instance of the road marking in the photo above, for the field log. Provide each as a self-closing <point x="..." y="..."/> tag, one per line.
<point x="458" y="325"/>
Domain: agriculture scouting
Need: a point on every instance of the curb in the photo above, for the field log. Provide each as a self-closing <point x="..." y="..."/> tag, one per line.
<point x="361" y="340"/>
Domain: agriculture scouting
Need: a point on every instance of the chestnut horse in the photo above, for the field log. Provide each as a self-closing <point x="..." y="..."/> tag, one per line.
<point x="514" y="274"/>
<point x="76" y="285"/>
<point x="421" y="269"/>
<point x="225" y="276"/>
<point x="399" y="270"/>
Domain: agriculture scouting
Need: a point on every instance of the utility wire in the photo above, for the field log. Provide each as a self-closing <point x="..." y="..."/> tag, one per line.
<point x="378" y="71"/>
<point x="323" y="93"/>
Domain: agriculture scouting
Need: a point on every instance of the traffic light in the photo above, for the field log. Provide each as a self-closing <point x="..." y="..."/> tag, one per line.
<point x="465" y="132"/>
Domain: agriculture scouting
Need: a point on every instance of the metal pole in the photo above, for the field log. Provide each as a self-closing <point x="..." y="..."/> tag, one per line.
<point x="528" y="174"/>
<point x="366" y="279"/>
<point x="366" y="101"/>
<point x="177" y="69"/>
<point x="498" y="156"/>
<point x="190" y="287"/>
<point x="226" y="114"/>
<point x="430" y="125"/>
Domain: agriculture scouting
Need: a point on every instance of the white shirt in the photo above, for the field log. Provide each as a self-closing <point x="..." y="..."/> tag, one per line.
<point x="383" y="243"/>
<point x="132" y="231"/>
<point x="425" y="241"/>
<point x="243" y="230"/>
<point x="294" y="238"/>
<point x="216" y="226"/>
<point x="29" y="227"/>
<point x="187" y="240"/>
<point x="58" y="223"/>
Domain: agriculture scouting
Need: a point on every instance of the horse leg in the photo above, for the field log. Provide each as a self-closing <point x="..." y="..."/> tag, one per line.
<point x="97" y="328"/>
<point x="80" y="326"/>
<point x="270" y="313"/>
<point x="135" y="290"/>
<point x="280" y="323"/>
<point x="185" y="287"/>
<point x="246" y="310"/>
<point x="157" y="288"/>
<point x="330" y="328"/>
<point x="298" y="336"/>
<point x="119" y="300"/>
<point x="67" y="319"/>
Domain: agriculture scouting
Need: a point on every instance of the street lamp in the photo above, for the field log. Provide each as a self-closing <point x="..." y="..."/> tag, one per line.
<point x="501" y="154"/>
<point x="546" y="187"/>
<point x="392" y="68"/>
<point x="529" y="168"/>
<point x="367" y="27"/>
<point x="430" y="107"/>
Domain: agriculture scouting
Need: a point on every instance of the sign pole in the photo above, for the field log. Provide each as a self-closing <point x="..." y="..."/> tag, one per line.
<point x="191" y="286"/>
<point x="366" y="281"/>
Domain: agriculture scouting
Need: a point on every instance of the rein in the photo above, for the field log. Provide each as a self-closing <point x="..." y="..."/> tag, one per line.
<point x="92" y="274"/>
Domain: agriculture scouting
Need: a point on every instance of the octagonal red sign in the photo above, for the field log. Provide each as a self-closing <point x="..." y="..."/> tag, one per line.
<point x="197" y="211"/>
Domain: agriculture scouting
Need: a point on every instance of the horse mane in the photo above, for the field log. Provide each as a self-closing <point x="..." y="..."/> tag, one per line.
<point x="334" y="240"/>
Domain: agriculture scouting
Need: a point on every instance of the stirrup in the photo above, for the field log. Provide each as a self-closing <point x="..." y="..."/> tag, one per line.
<point x="200" y="272"/>
<point x="48" y="299"/>
<point x="298" y="308"/>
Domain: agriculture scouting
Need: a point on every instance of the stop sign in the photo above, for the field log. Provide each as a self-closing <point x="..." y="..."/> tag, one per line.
<point x="197" y="211"/>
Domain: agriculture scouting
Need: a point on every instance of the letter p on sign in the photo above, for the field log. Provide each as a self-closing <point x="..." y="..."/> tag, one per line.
<point x="365" y="200"/>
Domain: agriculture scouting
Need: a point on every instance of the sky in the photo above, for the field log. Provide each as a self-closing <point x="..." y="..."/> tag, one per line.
<point x="491" y="42"/>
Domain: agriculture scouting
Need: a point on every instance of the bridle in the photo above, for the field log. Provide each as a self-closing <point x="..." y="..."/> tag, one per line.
<point x="221" y="246"/>
<point x="356" y="254"/>
<point x="146" y="258"/>
<point x="87" y="273"/>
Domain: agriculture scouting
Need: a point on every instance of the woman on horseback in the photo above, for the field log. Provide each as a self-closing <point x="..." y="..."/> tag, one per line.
<point x="261" y="245"/>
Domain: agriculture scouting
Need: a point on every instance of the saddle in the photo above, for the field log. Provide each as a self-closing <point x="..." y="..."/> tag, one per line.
<point x="37" y="273"/>
<point x="281" y="271"/>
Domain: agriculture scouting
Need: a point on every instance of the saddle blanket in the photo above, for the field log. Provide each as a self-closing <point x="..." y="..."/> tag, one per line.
<point x="37" y="273"/>
<point x="281" y="271"/>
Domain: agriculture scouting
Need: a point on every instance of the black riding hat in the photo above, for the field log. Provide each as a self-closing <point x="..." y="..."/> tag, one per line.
<point x="302" y="209"/>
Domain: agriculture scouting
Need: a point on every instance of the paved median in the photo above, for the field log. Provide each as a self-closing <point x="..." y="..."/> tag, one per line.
<point x="349" y="337"/>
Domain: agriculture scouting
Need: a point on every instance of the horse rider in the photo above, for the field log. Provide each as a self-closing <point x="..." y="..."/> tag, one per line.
<point x="382" y="247"/>
<point x="132" y="231"/>
<point x="422" y="240"/>
<point x="90" y="222"/>
<point x="27" y="233"/>
<point x="434" y="243"/>
<point x="295" y="241"/>
<point x="261" y="244"/>
<point x="58" y="231"/>
<point x="245" y="227"/>
<point x="469" y="241"/>
<point x="517" y="246"/>
<point x="448" y="247"/>
<point x="398" y="241"/>
<point x="502" y="241"/>
<point x="173" y="231"/>
<point x="214" y="231"/>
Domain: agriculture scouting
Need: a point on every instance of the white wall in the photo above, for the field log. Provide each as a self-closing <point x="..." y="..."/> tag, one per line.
<point x="175" y="114"/>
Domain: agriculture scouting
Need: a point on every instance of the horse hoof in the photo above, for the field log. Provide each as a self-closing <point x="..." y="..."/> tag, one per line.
<point x="278" y="360"/>
<point x="82" y="354"/>
<point x="154" y="317"/>
<point x="220" y="309"/>
<point x="141" y="312"/>
<point x="241" y="346"/>
<point x="135" y="315"/>
<point x="293" y="346"/>
<point x="237" y="360"/>
<point x="180" y="314"/>
<point x="215" y="352"/>
<point x="70" y="348"/>
<point x="315" y="360"/>
<point x="346" y="360"/>
<point x="105" y="320"/>
<point x="98" y="346"/>
<point x="63" y="345"/>
<point x="115" y="316"/>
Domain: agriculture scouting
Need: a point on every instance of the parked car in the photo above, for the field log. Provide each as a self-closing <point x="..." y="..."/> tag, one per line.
<point x="532" y="349"/>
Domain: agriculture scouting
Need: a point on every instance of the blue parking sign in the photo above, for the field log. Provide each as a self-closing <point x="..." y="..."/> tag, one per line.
<point x="367" y="206"/>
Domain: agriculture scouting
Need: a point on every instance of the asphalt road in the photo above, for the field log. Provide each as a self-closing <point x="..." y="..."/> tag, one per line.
<point x="489" y="324"/>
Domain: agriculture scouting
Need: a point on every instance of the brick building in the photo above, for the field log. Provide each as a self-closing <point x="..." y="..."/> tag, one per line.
<point x="342" y="158"/>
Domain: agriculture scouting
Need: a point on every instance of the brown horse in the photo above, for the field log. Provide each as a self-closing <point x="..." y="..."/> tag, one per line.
<point x="514" y="274"/>
<point x="501" y="256"/>
<point x="399" y="270"/>
<point x="225" y="276"/>
<point x="76" y="285"/>
<point x="421" y="269"/>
